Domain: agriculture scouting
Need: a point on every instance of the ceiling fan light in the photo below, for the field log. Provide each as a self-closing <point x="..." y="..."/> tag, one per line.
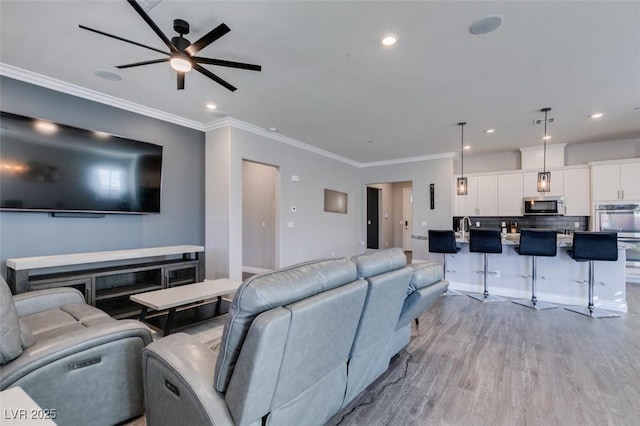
<point x="180" y="63"/>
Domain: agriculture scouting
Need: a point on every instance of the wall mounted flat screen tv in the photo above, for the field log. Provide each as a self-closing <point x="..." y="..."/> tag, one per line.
<point x="46" y="166"/>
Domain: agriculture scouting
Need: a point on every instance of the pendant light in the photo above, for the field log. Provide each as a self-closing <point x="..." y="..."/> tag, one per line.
<point x="544" y="177"/>
<point x="461" y="183"/>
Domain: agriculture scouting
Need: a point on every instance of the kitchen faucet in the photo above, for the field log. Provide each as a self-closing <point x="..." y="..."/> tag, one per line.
<point x="462" y="228"/>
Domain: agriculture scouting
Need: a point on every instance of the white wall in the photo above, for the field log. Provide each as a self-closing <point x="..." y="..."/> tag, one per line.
<point x="421" y="174"/>
<point x="217" y="217"/>
<point x="316" y="233"/>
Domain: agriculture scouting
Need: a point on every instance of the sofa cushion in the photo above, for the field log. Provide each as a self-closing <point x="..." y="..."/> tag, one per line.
<point x="10" y="340"/>
<point x="65" y="319"/>
<point x="424" y="275"/>
<point x="264" y="292"/>
<point x="375" y="262"/>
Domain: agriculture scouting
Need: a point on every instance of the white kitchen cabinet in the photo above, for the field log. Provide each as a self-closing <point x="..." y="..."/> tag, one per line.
<point x="630" y="181"/>
<point x="481" y="198"/>
<point x="510" y="194"/>
<point x="530" y="184"/>
<point x="611" y="182"/>
<point x="577" y="197"/>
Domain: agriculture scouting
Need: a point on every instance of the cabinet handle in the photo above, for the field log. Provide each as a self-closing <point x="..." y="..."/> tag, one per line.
<point x="622" y="191"/>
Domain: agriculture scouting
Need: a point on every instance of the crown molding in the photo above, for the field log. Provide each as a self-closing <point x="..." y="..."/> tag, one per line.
<point x="92" y="95"/>
<point x="539" y="147"/>
<point x="239" y="124"/>
<point x="409" y="159"/>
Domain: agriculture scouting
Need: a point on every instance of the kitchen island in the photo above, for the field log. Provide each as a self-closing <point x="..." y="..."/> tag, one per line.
<point x="561" y="279"/>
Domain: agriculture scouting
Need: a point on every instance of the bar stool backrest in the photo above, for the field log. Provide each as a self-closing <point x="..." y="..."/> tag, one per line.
<point x="485" y="240"/>
<point x="595" y="246"/>
<point x="442" y="241"/>
<point x="538" y="242"/>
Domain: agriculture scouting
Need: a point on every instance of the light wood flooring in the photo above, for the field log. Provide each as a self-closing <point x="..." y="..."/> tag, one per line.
<point x="473" y="363"/>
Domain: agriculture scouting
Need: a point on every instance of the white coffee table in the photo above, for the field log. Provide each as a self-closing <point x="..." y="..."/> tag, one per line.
<point x="176" y="297"/>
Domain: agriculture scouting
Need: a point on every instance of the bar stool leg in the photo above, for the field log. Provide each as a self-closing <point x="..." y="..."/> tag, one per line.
<point x="534" y="303"/>
<point x="485" y="296"/>
<point x="448" y="291"/>
<point x="591" y="310"/>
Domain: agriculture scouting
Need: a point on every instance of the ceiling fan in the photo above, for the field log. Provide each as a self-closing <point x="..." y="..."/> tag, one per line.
<point x="181" y="55"/>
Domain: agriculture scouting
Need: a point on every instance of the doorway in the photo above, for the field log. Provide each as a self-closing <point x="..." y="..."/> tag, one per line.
<point x="373" y="218"/>
<point x="260" y="198"/>
<point x="390" y="215"/>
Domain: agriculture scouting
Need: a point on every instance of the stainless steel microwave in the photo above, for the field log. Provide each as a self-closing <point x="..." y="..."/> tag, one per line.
<point x="552" y="206"/>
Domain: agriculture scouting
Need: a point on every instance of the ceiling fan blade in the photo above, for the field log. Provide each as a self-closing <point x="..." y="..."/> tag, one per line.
<point x="152" y="24"/>
<point x="213" y="77"/>
<point x="223" y="63"/>
<point x="122" y="39"/>
<point x="180" y="80"/>
<point x="137" y="64"/>
<point x="207" y="39"/>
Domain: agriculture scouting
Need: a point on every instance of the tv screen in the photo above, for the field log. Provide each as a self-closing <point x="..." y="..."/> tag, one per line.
<point x="46" y="166"/>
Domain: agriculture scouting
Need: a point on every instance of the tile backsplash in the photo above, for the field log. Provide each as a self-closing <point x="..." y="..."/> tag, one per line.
<point x="563" y="224"/>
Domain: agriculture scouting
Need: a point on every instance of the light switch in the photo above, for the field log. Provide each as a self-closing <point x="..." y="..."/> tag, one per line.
<point x="295" y="178"/>
<point x="291" y="224"/>
<point x="423" y="223"/>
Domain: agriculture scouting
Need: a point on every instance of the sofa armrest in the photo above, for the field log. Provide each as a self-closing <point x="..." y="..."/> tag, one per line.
<point x="178" y="382"/>
<point x="51" y="350"/>
<point x="32" y="302"/>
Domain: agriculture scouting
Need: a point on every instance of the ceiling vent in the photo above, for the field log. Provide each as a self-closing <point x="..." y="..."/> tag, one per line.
<point x="541" y="121"/>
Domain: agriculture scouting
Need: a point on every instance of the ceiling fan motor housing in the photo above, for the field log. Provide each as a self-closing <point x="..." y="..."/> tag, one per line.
<point x="180" y="43"/>
<point x="181" y="26"/>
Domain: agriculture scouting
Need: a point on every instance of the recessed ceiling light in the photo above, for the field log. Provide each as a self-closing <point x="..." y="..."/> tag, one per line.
<point x="467" y="147"/>
<point x="490" y="130"/>
<point x="389" y="39"/>
<point x="101" y="135"/>
<point x="596" y="115"/>
<point x="273" y="129"/>
<point x="546" y="138"/>
<point x="211" y="106"/>
<point x="107" y="75"/>
<point x="486" y="24"/>
<point x="46" y="127"/>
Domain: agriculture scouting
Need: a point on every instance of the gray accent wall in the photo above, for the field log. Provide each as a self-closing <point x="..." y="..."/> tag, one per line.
<point x="181" y="220"/>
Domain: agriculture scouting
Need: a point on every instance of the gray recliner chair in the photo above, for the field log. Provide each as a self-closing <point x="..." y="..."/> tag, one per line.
<point x="388" y="278"/>
<point x="71" y="357"/>
<point x="283" y="356"/>
<point x="427" y="284"/>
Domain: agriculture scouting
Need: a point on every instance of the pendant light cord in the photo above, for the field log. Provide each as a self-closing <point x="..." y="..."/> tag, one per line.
<point x="462" y="148"/>
<point x="544" y="155"/>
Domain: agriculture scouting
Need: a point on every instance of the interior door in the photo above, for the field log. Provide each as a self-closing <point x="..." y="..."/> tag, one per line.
<point x="407" y="221"/>
<point x="373" y="218"/>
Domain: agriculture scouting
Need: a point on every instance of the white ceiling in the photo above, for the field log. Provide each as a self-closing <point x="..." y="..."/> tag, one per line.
<point x="326" y="80"/>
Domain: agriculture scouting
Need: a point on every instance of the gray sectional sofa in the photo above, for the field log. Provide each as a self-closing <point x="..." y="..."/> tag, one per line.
<point x="70" y="357"/>
<point x="299" y="344"/>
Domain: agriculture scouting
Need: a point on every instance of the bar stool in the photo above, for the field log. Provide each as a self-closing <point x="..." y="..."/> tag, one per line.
<point x="444" y="242"/>
<point x="485" y="241"/>
<point x="534" y="243"/>
<point x="589" y="247"/>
